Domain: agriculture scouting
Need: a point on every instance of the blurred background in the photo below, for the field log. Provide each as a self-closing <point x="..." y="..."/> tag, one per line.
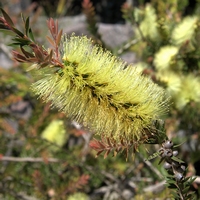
<point x="45" y="155"/>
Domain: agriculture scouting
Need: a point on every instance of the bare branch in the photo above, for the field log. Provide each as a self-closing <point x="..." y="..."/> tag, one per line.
<point x="149" y="164"/>
<point x="28" y="159"/>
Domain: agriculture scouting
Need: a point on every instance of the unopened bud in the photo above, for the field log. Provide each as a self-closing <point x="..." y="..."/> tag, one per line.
<point x="167" y="165"/>
<point x="183" y="167"/>
<point x="175" y="153"/>
<point x="178" y="176"/>
<point x="168" y="144"/>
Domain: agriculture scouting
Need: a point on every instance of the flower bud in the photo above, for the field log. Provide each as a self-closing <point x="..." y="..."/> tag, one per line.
<point x="183" y="167"/>
<point x="178" y="176"/>
<point x="175" y="153"/>
<point x="167" y="165"/>
<point x="167" y="153"/>
<point x="168" y="144"/>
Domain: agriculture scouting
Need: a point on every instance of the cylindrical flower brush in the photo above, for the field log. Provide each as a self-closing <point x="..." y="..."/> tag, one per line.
<point x="101" y="92"/>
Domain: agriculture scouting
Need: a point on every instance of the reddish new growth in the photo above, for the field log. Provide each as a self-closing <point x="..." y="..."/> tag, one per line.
<point x="108" y="145"/>
<point x="38" y="54"/>
<point x="53" y="27"/>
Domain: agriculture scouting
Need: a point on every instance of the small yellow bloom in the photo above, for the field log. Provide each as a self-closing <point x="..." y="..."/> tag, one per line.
<point x="101" y="92"/>
<point x="78" y="196"/>
<point x="171" y="80"/>
<point x="189" y="91"/>
<point x="55" y="133"/>
<point x="148" y="26"/>
<point x="184" y="30"/>
<point x="164" y="57"/>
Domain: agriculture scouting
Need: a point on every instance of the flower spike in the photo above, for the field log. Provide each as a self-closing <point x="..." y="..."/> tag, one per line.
<point x="100" y="91"/>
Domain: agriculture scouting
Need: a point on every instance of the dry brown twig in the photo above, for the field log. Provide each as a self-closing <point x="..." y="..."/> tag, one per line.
<point x="29" y="159"/>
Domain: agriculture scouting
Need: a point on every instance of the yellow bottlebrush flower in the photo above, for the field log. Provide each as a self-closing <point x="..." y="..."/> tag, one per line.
<point x="148" y="27"/>
<point x="55" y="133"/>
<point x="78" y="196"/>
<point x="184" y="30"/>
<point x="164" y="57"/>
<point x="189" y="91"/>
<point x="171" y="80"/>
<point x="101" y="92"/>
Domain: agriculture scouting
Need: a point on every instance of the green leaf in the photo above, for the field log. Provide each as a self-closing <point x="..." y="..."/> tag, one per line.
<point x="31" y="35"/>
<point x="7" y="18"/>
<point x="18" y="32"/>
<point x="14" y="44"/>
<point x="175" y="146"/>
<point x="188" y="180"/>
<point x="186" y="189"/>
<point x="7" y="31"/>
<point x="22" y="41"/>
<point x="23" y="19"/>
<point x="177" y="159"/>
<point x="27" y="26"/>
<point x="175" y="196"/>
<point x="171" y="181"/>
<point x="192" y="179"/>
<point x="156" y="154"/>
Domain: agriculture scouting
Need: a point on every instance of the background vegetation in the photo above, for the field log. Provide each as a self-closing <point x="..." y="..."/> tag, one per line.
<point x="45" y="155"/>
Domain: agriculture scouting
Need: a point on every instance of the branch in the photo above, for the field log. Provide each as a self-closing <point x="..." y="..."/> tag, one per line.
<point x="155" y="170"/>
<point x="28" y="159"/>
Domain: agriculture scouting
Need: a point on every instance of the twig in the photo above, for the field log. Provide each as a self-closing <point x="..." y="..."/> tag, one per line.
<point x="127" y="45"/>
<point x="156" y="188"/>
<point x="28" y="159"/>
<point x="155" y="170"/>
